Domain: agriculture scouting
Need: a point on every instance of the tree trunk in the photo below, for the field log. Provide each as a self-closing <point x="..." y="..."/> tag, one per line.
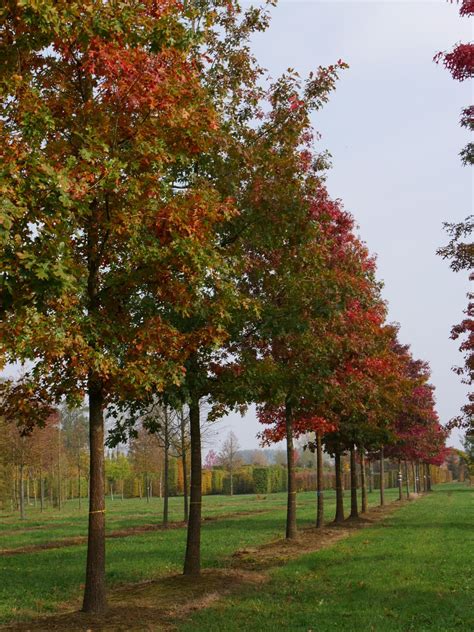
<point x="382" y="478"/>
<point x="400" y="480"/>
<point x="428" y="477"/>
<point x="413" y="470"/>
<point x="339" y="517"/>
<point x="147" y="487"/>
<point x="22" y="494"/>
<point x="166" y="472"/>
<point x="371" y="476"/>
<point x="354" y="508"/>
<point x="291" y="497"/>
<point x="94" y="594"/>
<point x="192" y="560"/>
<point x="79" y="480"/>
<point x="41" y="490"/>
<point x="111" y="490"/>
<point x="363" y="481"/>
<point x="320" y="481"/>
<point x="185" y="473"/>
<point x="59" y="467"/>
<point x="407" y="481"/>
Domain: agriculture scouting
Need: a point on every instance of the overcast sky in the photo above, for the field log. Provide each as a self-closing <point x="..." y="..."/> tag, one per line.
<point x="392" y="129"/>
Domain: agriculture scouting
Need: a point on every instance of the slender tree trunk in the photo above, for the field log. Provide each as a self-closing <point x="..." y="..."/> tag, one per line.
<point x="231" y="481"/>
<point x="16" y="494"/>
<point x="122" y="486"/>
<point x="291" y="497"/>
<point x="382" y="478"/>
<point x="407" y="481"/>
<point x="418" y="481"/>
<point x="147" y="487"/>
<point x="94" y="593"/>
<point x="79" y="481"/>
<point x="428" y="477"/>
<point x="339" y="517"/>
<point x="354" y="508"/>
<point x="111" y="490"/>
<point x="166" y="472"/>
<point x="22" y="494"/>
<point x="413" y="470"/>
<point x="400" y="480"/>
<point x="363" y="481"/>
<point x="59" y="467"/>
<point x="41" y="490"/>
<point x="185" y="473"/>
<point x="371" y="476"/>
<point x="320" y="481"/>
<point x="192" y="560"/>
<point x="35" y="483"/>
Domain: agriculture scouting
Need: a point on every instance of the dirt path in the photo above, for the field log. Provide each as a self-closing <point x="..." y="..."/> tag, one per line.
<point x="121" y="533"/>
<point x="159" y="606"/>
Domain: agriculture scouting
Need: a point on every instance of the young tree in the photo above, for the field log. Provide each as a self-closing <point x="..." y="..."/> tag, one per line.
<point x="103" y="110"/>
<point x="76" y="439"/>
<point x="228" y="457"/>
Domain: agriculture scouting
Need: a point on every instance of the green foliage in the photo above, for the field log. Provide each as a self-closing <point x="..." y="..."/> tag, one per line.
<point x="262" y="480"/>
<point x="218" y="477"/>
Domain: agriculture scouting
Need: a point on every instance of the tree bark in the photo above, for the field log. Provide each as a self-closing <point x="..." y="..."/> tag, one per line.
<point x="22" y="494"/>
<point x="79" y="478"/>
<point x="94" y="594"/>
<point x="339" y="517"/>
<point x="428" y="477"/>
<point x="407" y="481"/>
<point x="41" y="490"/>
<point x="382" y="478"/>
<point x="192" y="560"/>
<point x="59" y="467"/>
<point x="413" y="470"/>
<point x="291" y="496"/>
<point x="320" y="481"/>
<point x="371" y="476"/>
<point x="354" y="508"/>
<point x="363" y="481"/>
<point x="185" y="474"/>
<point x="400" y="480"/>
<point x="166" y="472"/>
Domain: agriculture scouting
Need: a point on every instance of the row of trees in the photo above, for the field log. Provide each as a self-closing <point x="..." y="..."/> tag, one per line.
<point x="167" y="238"/>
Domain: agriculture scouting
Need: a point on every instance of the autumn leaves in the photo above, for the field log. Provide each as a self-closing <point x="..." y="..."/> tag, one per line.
<point x="166" y="233"/>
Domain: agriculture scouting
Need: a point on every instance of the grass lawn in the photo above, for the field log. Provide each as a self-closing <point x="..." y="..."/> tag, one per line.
<point x="44" y="580"/>
<point x="413" y="571"/>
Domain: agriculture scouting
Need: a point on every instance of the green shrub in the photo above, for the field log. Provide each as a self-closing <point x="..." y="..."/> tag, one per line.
<point x="261" y="480"/>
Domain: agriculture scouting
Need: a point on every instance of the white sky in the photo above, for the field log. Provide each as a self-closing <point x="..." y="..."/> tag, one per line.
<point x="392" y="127"/>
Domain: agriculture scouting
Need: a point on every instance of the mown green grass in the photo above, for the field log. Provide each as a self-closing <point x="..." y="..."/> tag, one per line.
<point x="41" y="581"/>
<point x="414" y="571"/>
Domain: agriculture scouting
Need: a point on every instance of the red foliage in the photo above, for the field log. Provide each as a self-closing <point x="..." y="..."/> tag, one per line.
<point x="460" y="62"/>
